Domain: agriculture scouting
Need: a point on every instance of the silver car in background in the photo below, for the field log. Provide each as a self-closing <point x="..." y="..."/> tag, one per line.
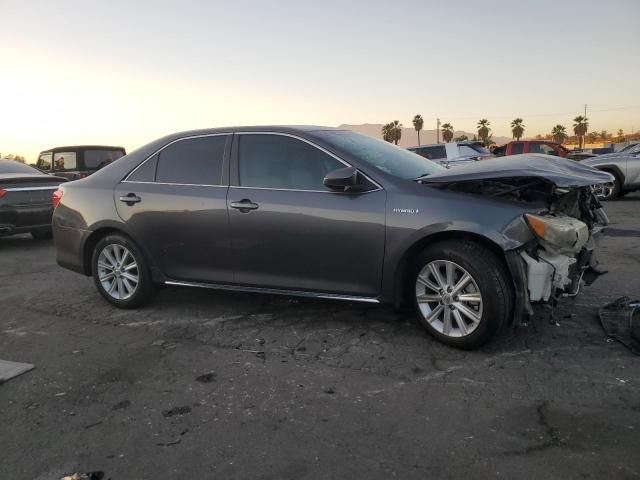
<point x="453" y="154"/>
<point x="624" y="166"/>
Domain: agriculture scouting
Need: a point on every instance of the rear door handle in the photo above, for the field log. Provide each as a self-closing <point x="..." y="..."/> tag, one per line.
<point x="130" y="199"/>
<point x="245" y="205"/>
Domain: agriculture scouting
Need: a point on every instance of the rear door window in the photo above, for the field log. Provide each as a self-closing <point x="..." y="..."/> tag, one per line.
<point x="64" y="161"/>
<point x="192" y="161"/>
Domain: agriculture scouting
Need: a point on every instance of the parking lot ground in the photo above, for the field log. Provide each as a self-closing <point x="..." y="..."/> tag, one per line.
<point x="206" y="384"/>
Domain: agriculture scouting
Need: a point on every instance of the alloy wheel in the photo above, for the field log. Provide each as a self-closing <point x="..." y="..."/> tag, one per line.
<point x="448" y="298"/>
<point x="118" y="271"/>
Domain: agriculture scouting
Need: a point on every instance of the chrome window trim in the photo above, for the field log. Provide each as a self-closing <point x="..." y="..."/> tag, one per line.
<point x="282" y="134"/>
<point x="178" y="184"/>
<point x="167" y="145"/>
<point x="27" y="189"/>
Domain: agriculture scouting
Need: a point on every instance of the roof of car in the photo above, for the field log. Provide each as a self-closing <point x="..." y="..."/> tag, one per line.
<point x="82" y="147"/>
<point x="257" y="128"/>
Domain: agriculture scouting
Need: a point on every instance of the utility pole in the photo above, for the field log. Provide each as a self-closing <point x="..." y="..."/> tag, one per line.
<point x="438" y="131"/>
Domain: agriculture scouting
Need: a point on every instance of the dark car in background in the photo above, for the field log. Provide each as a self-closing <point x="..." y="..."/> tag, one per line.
<point x="77" y="161"/>
<point x="328" y="213"/>
<point x="26" y="199"/>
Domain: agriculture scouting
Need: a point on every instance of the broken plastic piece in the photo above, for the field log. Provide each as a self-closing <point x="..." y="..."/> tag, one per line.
<point x="621" y="320"/>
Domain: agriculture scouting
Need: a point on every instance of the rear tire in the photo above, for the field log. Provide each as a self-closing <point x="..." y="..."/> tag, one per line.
<point x="471" y="302"/>
<point x="121" y="273"/>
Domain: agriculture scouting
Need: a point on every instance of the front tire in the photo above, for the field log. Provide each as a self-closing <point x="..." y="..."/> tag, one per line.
<point x="462" y="293"/>
<point x="121" y="273"/>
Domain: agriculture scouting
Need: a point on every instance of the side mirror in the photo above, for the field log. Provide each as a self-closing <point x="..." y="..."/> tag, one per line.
<point x="345" y="180"/>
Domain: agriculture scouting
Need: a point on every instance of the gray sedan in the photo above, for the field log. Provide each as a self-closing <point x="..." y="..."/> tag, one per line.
<point x="327" y="213"/>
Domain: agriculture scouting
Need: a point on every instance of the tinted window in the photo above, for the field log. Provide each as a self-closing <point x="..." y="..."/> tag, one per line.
<point x="94" y="159"/>
<point x="196" y="161"/>
<point x="278" y="161"/>
<point x="145" y="172"/>
<point x="433" y="153"/>
<point x="44" y="161"/>
<point x="13" y="166"/>
<point x="517" y="148"/>
<point x="379" y="154"/>
<point x="64" y="161"/>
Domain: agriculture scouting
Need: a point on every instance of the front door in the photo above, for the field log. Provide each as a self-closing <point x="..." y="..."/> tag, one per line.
<point x="174" y="205"/>
<point x="289" y="231"/>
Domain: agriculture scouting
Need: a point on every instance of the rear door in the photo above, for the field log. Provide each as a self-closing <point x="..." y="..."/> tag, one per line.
<point x="175" y="206"/>
<point x="289" y="231"/>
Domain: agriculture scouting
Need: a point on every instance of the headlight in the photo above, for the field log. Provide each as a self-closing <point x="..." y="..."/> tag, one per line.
<point x="561" y="234"/>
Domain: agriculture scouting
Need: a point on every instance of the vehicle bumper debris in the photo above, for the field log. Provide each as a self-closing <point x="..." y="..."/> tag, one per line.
<point x="621" y="320"/>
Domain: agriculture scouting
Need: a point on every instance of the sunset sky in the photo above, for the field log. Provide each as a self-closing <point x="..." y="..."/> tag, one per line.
<point x="126" y="72"/>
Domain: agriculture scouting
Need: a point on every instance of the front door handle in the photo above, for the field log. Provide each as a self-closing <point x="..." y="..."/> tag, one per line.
<point x="245" y="205"/>
<point x="130" y="199"/>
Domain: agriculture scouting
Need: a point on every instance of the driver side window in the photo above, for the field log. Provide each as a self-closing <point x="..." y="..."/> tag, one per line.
<point x="282" y="162"/>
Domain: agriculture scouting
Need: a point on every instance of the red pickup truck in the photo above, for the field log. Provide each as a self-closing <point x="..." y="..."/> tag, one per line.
<point x="531" y="146"/>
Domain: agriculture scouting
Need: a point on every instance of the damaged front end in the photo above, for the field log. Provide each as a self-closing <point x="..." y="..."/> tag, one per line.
<point x="561" y="211"/>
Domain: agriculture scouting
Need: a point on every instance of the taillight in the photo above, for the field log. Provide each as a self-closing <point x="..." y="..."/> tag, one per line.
<point x="3" y="192"/>
<point x="57" y="196"/>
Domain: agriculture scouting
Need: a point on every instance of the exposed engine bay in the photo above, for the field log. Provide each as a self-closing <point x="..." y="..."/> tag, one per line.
<point x="562" y="256"/>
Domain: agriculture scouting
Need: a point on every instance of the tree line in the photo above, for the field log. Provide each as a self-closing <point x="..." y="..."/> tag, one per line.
<point x="392" y="132"/>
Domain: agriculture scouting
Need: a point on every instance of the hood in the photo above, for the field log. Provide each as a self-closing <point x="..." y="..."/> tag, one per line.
<point x="559" y="171"/>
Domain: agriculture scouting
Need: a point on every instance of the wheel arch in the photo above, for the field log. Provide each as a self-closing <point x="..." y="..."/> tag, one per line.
<point x="614" y="170"/>
<point x="400" y="275"/>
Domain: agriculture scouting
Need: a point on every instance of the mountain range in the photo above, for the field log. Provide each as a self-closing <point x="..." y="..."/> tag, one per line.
<point x="410" y="136"/>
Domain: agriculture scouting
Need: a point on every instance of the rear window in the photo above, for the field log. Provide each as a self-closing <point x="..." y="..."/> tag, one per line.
<point x="94" y="159"/>
<point x="64" y="161"/>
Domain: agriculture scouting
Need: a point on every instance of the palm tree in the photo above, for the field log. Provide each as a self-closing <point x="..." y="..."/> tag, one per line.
<point x="483" y="129"/>
<point x="620" y="133"/>
<point x="396" y="128"/>
<point x="559" y="133"/>
<point x="447" y="132"/>
<point x="418" y="123"/>
<point x="605" y="135"/>
<point x="517" y="128"/>
<point x="580" y="127"/>
<point x="387" y="134"/>
<point x="592" y="137"/>
<point x="461" y="138"/>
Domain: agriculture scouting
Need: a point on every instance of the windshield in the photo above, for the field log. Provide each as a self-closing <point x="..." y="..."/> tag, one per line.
<point x="629" y="147"/>
<point x="379" y="154"/>
<point x="13" y="166"/>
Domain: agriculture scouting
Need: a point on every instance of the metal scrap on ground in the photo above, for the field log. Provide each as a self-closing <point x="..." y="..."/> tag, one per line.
<point x="9" y="370"/>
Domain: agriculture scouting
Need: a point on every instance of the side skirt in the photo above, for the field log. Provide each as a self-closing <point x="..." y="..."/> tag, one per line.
<point x="274" y="291"/>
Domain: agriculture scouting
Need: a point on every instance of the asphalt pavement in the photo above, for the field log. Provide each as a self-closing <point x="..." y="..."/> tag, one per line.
<point x="206" y="384"/>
